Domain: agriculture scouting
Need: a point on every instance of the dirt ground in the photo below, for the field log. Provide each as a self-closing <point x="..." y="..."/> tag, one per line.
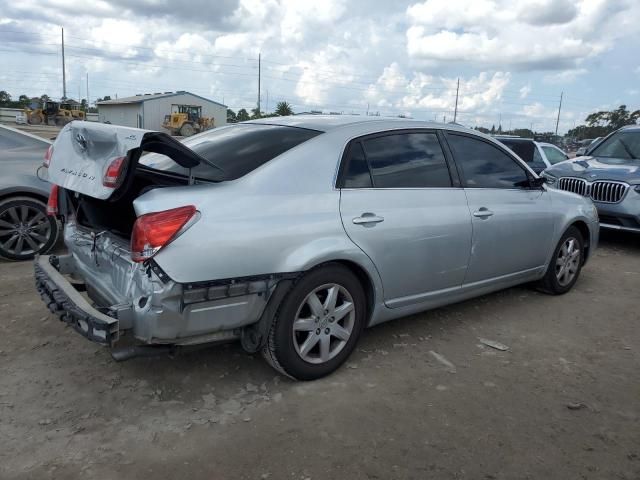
<point x="562" y="403"/>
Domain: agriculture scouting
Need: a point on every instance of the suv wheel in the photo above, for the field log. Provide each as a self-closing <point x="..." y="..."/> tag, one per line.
<point x="318" y="323"/>
<point x="25" y="228"/>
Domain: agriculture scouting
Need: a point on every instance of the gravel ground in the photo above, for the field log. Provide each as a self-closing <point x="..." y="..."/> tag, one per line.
<point x="562" y="403"/>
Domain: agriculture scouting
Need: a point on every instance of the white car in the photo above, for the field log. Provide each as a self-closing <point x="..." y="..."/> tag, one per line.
<point x="538" y="155"/>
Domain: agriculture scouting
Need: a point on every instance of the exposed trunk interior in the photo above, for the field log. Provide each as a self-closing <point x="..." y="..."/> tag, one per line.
<point x="116" y="214"/>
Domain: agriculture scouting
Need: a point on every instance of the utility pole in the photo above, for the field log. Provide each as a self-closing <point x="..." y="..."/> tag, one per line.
<point x="88" y="101"/>
<point x="559" y="108"/>
<point x="64" y="74"/>
<point x="455" y="112"/>
<point x="259" y="60"/>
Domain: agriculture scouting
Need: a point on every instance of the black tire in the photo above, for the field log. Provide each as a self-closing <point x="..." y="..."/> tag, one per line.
<point x="280" y="350"/>
<point x="550" y="283"/>
<point x="44" y="232"/>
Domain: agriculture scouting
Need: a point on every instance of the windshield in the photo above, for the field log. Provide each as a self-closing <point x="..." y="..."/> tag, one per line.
<point x="622" y="144"/>
<point x="236" y="149"/>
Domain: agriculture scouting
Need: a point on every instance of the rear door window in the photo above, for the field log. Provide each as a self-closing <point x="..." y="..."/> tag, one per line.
<point x="484" y="165"/>
<point x="407" y="160"/>
<point x="236" y="149"/>
<point x="554" y="155"/>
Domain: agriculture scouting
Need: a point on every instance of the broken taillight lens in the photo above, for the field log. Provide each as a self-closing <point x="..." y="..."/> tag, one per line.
<point x="47" y="156"/>
<point x="52" y="203"/>
<point x="155" y="230"/>
<point x="114" y="170"/>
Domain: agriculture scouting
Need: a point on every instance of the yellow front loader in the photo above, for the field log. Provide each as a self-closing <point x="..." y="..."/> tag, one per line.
<point x="186" y="120"/>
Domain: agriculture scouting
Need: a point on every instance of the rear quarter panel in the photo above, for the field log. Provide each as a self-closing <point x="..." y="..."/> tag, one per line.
<point x="283" y="217"/>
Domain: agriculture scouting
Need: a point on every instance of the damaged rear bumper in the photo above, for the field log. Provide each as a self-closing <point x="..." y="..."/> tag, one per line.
<point x="64" y="300"/>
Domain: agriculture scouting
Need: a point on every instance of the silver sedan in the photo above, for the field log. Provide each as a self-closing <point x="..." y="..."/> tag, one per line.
<point x="294" y="234"/>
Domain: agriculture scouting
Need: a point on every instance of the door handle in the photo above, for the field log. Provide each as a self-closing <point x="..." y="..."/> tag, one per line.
<point x="483" y="213"/>
<point x="367" y="218"/>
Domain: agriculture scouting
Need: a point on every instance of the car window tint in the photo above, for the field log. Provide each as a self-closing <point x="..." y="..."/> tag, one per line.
<point x="407" y="160"/>
<point x="357" y="173"/>
<point x="538" y="163"/>
<point x="236" y="149"/>
<point x="524" y="149"/>
<point x="484" y="165"/>
<point x="553" y="155"/>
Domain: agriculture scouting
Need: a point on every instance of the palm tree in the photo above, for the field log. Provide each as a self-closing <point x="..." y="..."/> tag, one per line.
<point x="283" y="109"/>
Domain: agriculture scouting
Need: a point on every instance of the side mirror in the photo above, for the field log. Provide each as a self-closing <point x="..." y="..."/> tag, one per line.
<point x="537" y="182"/>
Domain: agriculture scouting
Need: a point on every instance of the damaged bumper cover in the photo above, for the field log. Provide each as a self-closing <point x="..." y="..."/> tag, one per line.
<point x="64" y="300"/>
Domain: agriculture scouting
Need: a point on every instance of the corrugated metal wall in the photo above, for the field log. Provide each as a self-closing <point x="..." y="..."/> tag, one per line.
<point x="125" y="114"/>
<point x="155" y="110"/>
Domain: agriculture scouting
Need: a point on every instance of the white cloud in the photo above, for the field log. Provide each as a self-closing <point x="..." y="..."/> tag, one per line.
<point x="566" y="76"/>
<point x="525" y="91"/>
<point x="538" y="34"/>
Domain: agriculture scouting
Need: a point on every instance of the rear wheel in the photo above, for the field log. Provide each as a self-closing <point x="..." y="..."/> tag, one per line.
<point x="566" y="264"/>
<point x="25" y="228"/>
<point x="318" y="324"/>
<point x="187" y="130"/>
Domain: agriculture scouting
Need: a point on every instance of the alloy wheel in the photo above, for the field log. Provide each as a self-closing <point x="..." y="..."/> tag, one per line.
<point x="323" y="323"/>
<point x="24" y="230"/>
<point x="568" y="261"/>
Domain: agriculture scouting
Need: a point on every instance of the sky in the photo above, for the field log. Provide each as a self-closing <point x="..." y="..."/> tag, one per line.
<point x="513" y="59"/>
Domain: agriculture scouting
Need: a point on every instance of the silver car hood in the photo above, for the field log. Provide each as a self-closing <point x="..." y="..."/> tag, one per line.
<point x="83" y="151"/>
<point x="598" y="168"/>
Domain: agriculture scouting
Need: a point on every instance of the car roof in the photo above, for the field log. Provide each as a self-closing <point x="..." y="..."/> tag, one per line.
<point x="631" y="127"/>
<point x="326" y="123"/>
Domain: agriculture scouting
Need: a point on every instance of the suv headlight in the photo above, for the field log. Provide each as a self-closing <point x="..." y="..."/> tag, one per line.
<point x="551" y="180"/>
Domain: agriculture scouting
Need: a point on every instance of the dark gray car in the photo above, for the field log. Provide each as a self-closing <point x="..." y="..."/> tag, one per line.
<point x="609" y="175"/>
<point x="25" y="228"/>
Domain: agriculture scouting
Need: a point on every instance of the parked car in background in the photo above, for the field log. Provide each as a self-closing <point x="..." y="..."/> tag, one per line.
<point x="610" y="176"/>
<point x="25" y="228"/>
<point x="295" y="233"/>
<point x="586" y="145"/>
<point x="538" y="155"/>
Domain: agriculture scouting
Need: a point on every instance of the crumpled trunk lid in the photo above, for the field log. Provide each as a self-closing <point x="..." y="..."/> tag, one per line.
<point x="83" y="151"/>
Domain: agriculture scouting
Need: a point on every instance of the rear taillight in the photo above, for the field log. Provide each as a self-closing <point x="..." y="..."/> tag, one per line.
<point x="153" y="231"/>
<point x="52" y="204"/>
<point x="112" y="175"/>
<point x="47" y="156"/>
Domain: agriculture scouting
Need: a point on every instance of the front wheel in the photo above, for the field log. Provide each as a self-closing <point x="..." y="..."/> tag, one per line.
<point x="318" y="323"/>
<point x="565" y="266"/>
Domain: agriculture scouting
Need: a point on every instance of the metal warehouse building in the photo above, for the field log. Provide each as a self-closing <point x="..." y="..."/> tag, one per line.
<point x="148" y="110"/>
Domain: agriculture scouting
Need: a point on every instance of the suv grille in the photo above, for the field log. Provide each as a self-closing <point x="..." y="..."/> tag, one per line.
<point x="599" y="191"/>
<point x="608" y="192"/>
<point x="575" y="185"/>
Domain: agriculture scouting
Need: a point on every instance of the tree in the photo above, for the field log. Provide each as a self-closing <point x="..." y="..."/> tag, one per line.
<point x="599" y="124"/>
<point x="231" y="116"/>
<point x="283" y="109"/>
<point x="242" y="115"/>
<point x="5" y="98"/>
<point x="255" y="113"/>
<point x="499" y="129"/>
<point x="493" y="129"/>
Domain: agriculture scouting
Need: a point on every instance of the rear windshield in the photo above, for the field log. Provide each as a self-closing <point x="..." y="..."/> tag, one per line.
<point x="236" y="149"/>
